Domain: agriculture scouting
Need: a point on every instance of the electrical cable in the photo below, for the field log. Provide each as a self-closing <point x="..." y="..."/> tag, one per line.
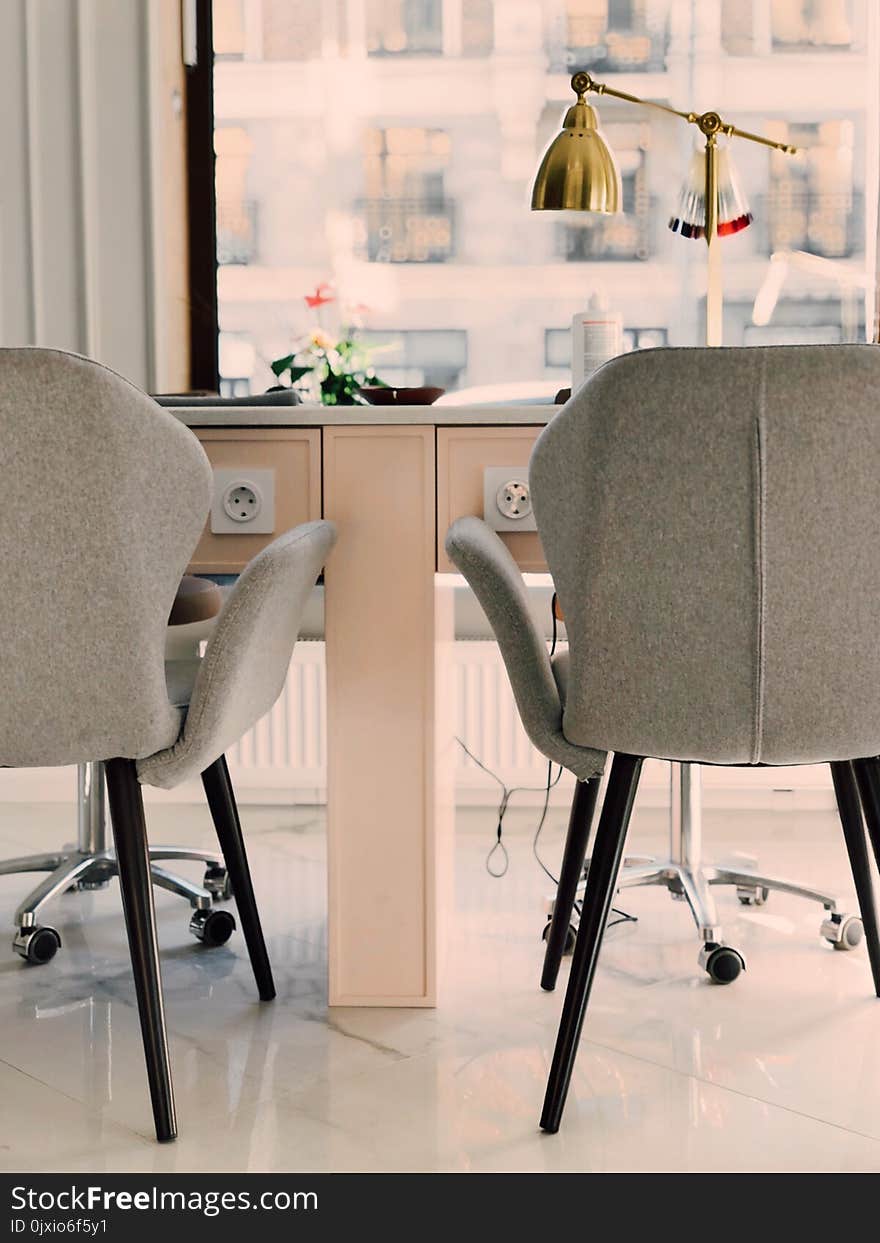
<point x="506" y="793"/>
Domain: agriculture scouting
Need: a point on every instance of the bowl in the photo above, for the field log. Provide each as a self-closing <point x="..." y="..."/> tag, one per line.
<point x="379" y="395"/>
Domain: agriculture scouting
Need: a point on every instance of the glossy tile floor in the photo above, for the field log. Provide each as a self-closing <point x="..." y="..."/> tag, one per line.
<point x="781" y="1071"/>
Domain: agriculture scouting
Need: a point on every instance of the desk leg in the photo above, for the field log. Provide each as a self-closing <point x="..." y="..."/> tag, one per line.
<point x="384" y="652"/>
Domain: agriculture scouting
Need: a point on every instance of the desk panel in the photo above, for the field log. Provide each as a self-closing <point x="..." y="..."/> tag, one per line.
<point x="462" y="455"/>
<point x="295" y="456"/>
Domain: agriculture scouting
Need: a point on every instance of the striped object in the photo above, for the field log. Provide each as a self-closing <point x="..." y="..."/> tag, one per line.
<point x="733" y="210"/>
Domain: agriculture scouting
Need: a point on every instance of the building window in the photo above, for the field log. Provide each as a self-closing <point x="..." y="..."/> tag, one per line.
<point x="477" y="27"/>
<point x="825" y="321"/>
<point x="237" y="363"/>
<point x="807" y="25"/>
<point x="759" y="27"/>
<point x="292" y="31"/>
<point x="229" y="36"/>
<point x="404" y="27"/>
<point x="405" y="214"/>
<point x="812" y="204"/>
<point x="236" y="212"/>
<point x="557" y="343"/>
<point x="413" y="356"/>
<point x="607" y="36"/>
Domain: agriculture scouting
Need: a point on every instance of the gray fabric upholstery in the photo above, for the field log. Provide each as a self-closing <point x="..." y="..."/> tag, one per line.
<point x="105" y="496"/>
<point x="248" y="653"/>
<point x="495" y="578"/>
<point x="711" y="523"/>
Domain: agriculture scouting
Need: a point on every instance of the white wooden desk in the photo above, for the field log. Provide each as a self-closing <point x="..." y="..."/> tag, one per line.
<point x="392" y="479"/>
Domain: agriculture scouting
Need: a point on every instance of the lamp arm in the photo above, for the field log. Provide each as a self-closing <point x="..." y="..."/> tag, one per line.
<point x="784" y="147"/>
<point x="708" y="122"/>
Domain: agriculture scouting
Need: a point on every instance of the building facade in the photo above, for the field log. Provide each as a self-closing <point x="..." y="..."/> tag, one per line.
<point x="386" y="148"/>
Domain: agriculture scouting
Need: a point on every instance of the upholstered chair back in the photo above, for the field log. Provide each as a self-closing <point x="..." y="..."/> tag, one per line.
<point x="711" y="519"/>
<point x="104" y="496"/>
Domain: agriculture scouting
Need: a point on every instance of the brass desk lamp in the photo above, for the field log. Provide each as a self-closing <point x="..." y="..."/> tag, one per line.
<point x="579" y="173"/>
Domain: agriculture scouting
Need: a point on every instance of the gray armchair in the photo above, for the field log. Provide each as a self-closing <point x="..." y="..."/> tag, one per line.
<point x="106" y="496"/>
<point x="710" y="521"/>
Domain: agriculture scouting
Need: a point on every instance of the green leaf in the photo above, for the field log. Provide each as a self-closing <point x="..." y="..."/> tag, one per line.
<point x="281" y="365"/>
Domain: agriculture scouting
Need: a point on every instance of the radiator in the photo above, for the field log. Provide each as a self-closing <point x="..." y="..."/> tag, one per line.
<point x="287" y="748"/>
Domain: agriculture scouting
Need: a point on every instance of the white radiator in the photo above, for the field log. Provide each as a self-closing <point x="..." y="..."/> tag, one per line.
<point x="287" y="749"/>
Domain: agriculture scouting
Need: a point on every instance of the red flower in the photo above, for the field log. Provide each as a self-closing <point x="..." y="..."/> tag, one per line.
<point x="320" y="296"/>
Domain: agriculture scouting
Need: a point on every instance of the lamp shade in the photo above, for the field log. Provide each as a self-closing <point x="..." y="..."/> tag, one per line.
<point x="733" y="211"/>
<point x="578" y="171"/>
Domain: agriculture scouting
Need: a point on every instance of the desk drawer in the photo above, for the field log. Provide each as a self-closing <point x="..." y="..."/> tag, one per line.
<point x="462" y="455"/>
<point x="295" y="456"/>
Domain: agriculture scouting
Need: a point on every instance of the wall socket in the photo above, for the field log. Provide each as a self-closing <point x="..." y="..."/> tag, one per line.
<point x="243" y="502"/>
<point x="507" y="500"/>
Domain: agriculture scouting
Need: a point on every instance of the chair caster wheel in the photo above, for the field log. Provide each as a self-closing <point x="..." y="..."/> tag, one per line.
<point x="37" y="945"/>
<point x="212" y="927"/>
<point x="570" y="937"/>
<point x="217" y="883"/>
<point x="843" y="931"/>
<point x="752" y="895"/>
<point x="722" y="963"/>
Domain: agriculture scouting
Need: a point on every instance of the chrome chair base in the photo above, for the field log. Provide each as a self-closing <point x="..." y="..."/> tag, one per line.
<point x="91" y="864"/>
<point x="690" y="880"/>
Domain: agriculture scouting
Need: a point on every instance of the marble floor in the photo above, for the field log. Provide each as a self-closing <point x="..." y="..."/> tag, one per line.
<point x="781" y="1071"/>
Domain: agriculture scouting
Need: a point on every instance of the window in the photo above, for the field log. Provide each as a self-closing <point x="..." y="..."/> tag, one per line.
<point x="406" y="217"/>
<point x="404" y="27"/>
<point x="229" y="36"/>
<point x="813" y="203"/>
<point x="759" y="27"/>
<point x="237" y="359"/>
<point x="557" y="344"/>
<point x="236" y="212"/>
<point x="627" y="36"/>
<point x="386" y="149"/>
<point x="413" y="357"/>
<point x="802" y="25"/>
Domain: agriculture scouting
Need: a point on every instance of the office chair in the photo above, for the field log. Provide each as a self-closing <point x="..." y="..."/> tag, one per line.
<point x="90" y="862"/>
<point x="106" y="497"/>
<point x="710" y="523"/>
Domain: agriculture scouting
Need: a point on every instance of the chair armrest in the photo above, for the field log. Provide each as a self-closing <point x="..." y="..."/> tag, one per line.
<point x="247" y="656"/>
<point x="493" y="575"/>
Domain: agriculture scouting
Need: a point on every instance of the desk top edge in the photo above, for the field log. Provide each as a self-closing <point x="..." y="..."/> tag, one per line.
<point x="363" y="416"/>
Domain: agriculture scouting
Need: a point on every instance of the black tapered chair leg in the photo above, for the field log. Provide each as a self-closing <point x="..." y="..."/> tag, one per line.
<point x="135" y="881"/>
<point x="852" y="783"/>
<point x="601" y="883"/>
<point x="583" y="805"/>
<point x="221" y="800"/>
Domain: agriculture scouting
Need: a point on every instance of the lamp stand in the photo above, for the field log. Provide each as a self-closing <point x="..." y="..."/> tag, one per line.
<point x="714" y="305"/>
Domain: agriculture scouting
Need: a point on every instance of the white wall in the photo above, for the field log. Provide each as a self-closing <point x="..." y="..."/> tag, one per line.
<point x="80" y="164"/>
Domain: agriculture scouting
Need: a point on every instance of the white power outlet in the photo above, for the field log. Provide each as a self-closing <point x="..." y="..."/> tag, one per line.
<point x="507" y="500"/>
<point x="243" y="501"/>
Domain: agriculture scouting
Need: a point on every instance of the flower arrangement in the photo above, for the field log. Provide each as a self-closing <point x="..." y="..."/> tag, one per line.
<point x="338" y="363"/>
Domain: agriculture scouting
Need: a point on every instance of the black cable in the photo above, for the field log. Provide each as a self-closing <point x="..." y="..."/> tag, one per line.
<point x="541" y="864"/>
<point x="507" y="792"/>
